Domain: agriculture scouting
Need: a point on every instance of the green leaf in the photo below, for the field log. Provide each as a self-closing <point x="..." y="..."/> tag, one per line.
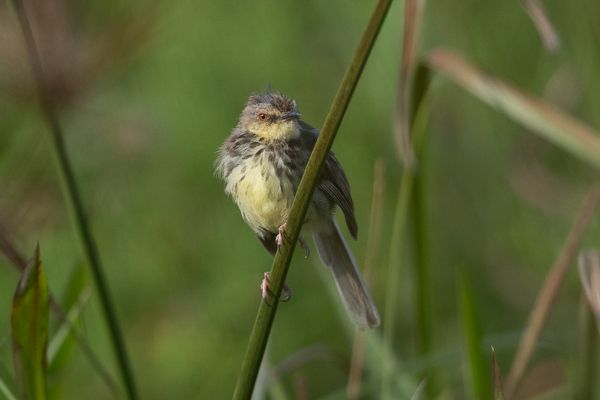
<point x="30" y="330"/>
<point x="541" y="117"/>
<point x="481" y="387"/>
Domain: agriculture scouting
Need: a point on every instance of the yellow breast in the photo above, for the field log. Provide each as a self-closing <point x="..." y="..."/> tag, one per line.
<point x="264" y="199"/>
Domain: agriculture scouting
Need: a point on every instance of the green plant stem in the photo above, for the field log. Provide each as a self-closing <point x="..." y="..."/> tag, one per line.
<point x="422" y="271"/>
<point x="418" y="123"/>
<point x="481" y="385"/>
<point x="89" y="244"/>
<point x="266" y="311"/>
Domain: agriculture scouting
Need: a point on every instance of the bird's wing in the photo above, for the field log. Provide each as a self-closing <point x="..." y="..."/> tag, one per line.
<point x="335" y="185"/>
<point x="333" y="181"/>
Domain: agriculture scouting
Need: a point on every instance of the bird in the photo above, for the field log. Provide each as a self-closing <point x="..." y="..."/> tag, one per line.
<point x="262" y="162"/>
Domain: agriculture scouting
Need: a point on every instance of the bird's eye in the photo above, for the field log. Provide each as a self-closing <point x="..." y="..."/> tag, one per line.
<point x="262" y="116"/>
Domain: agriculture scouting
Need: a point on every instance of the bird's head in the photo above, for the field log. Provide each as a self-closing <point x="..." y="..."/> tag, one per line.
<point x="271" y="115"/>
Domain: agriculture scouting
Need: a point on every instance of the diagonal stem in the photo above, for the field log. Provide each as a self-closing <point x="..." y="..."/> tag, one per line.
<point x="89" y="244"/>
<point x="266" y="312"/>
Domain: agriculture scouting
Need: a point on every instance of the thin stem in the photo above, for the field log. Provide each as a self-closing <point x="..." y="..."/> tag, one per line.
<point x="373" y="241"/>
<point x="549" y="291"/>
<point x="418" y="125"/>
<point x="422" y="271"/>
<point x="589" y="358"/>
<point x="266" y="311"/>
<point x="50" y="114"/>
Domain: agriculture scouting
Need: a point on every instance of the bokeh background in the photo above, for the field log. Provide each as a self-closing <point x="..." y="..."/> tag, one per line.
<point x="148" y="91"/>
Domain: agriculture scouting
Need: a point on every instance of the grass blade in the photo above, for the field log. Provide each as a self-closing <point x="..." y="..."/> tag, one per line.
<point x="548" y="292"/>
<point x="481" y="387"/>
<point x="266" y="312"/>
<point x="30" y="330"/>
<point x="542" y="23"/>
<point x="373" y="242"/>
<point x="6" y="391"/>
<point x="6" y="384"/>
<point x="60" y="337"/>
<point x="419" y="121"/>
<point x="8" y="248"/>
<point x="90" y="247"/>
<point x="546" y="120"/>
<point x="498" y="386"/>
<point x="588" y="370"/>
<point x="589" y="274"/>
<point x="413" y="11"/>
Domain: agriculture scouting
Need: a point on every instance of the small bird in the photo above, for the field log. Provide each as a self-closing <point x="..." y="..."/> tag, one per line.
<point x="262" y="163"/>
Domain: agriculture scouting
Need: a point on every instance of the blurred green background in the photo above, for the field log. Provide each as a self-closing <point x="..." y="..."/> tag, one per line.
<point x="150" y="91"/>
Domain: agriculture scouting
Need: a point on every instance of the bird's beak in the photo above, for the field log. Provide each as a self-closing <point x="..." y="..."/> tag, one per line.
<point x="290" y="115"/>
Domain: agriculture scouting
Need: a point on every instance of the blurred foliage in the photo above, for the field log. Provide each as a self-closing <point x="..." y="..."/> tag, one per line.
<point x="149" y="91"/>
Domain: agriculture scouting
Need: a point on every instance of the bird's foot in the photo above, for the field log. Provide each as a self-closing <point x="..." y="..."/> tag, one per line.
<point x="286" y="293"/>
<point x="280" y="236"/>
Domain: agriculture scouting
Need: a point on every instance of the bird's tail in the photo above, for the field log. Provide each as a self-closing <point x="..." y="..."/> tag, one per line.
<point x="334" y="253"/>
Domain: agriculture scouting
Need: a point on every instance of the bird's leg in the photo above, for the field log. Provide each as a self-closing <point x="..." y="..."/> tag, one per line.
<point x="281" y="235"/>
<point x="286" y="294"/>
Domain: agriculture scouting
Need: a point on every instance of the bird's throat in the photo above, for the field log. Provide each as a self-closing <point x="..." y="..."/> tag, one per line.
<point x="286" y="130"/>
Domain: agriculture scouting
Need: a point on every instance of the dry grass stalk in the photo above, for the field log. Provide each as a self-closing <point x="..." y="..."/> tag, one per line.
<point x="542" y="23"/>
<point x="589" y="273"/>
<point x="498" y="387"/>
<point x="413" y="11"/>
<point x="549" y="291"/>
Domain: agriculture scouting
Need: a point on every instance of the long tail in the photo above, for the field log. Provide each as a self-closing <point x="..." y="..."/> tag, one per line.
<point x="334" y="253"/>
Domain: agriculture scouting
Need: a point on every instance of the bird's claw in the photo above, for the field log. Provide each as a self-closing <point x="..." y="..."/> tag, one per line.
<point x="286" y="293"/>
<point x="281" y="236"/>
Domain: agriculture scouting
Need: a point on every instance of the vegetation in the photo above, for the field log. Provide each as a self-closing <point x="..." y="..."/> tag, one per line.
<point x="470" y="142"/>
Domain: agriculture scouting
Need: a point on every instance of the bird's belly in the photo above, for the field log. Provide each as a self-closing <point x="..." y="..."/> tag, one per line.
<point x="263" y="197"/>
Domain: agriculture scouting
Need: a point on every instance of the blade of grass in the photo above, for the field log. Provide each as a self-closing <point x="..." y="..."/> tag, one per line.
<point x="77" y="288"/>
<point x="6" y="384"/>
<point x="29" y="321"/>
<point x="6" y="391"/>
<point x="589" y="274"/>
<point x="62" y="333"/>
<point x="420" y="392"/>
<point x="419" y="121"/>
<point x="547" y="295"/>
<point x="498" y="386"/>
<point x="19" y="262"/>
<point x="413" y="11"/>
<point x="546" y="120"/>
<point x="89" y="244"/>
<point x="266" y="312"/>
<point x="423" y="285"/>
<point x="481" y="387"/>
<point x="542" y="23"/>
<point x="373" y="242"/>
<point x="589" y="356"/>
